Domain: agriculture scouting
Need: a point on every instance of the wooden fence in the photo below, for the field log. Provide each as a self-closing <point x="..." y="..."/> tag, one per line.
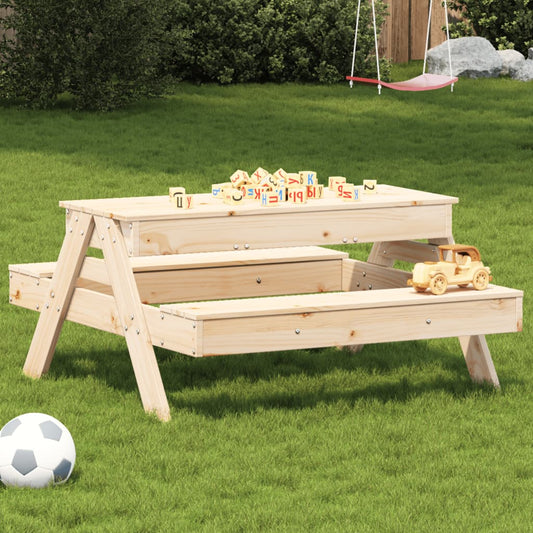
<point x="403" y="36"/>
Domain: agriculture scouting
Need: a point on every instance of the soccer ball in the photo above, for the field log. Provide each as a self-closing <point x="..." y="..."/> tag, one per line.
<point x="36" y="450"/>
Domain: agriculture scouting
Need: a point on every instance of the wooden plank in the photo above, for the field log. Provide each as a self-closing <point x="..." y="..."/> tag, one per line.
<point x="239" y="281"/>
<point x="362" y="276"/>
<point x="297" y="228"/>
<point x="197" y="276"/>
<point x="99" y="311"/>
<point x="357" y="326"/>
<point x="132" y="319"/>
<point x="234" y="258"/>
<point x="57" y="301"/>
<point x="312" y="303"/>
<point x="409" y="251"/>
<point x="418" y="21"/>
<point x="159" y="207"/>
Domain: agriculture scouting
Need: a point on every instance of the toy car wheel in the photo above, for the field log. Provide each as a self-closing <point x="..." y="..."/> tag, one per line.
<point x="481" y="280"/>
<point x="438" y="284"/>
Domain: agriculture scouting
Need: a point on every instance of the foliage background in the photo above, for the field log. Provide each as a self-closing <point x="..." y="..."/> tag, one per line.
<point x="505" y="23"/>
<point x="106" y="54"/>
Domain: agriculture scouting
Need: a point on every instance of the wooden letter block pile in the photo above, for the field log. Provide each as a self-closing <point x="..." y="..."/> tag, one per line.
<point x="271" y="189"/>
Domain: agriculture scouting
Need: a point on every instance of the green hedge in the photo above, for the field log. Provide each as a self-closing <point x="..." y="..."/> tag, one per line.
<point x="107" y="53"/>
<point x="505" y="23"/>
<point x="269" y="40"/>
<point x="104" y="53"/>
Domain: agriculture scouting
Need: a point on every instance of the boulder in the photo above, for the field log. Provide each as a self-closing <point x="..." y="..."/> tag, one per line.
<point x="472" y="57"/>
<point x="525" y="72"/>
<point x="512" y="61"/>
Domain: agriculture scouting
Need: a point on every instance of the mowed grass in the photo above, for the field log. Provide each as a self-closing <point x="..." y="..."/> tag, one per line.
<point x="395" y="438"/>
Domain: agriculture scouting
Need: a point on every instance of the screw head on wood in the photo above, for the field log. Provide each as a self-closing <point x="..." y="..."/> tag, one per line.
<point x="297" y="331"/>
<point x="235" y="246"/>
<point x="428" y="321"/>
<point x="355" y="239"/>
<point x="345" y="240"/>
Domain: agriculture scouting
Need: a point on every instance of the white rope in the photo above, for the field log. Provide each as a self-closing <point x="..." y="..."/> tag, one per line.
<point x="376" y="45"/>
<point x="448" y="39"/>
<point x="427" y="35"/>
<point x="355" y="41"/>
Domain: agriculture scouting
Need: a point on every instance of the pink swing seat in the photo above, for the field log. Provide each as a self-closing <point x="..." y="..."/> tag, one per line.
<point x="424" y="82"/>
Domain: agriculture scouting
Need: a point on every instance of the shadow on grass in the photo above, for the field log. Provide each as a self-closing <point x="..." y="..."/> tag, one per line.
<point x="218" y="386"/>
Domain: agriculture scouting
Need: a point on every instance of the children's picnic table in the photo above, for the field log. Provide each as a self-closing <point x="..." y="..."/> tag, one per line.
<point x="198" y="265"/>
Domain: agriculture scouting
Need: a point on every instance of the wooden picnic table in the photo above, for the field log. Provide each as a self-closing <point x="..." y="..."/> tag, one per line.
<point x="199" y="263"/>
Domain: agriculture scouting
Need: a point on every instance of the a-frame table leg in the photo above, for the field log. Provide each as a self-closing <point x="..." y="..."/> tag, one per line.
<point x="132" y="318"/>
<point x="478" y="359"/>
<point x="56" y="304"/>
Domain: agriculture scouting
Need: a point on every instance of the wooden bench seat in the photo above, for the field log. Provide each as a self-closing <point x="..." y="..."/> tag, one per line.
<point x="215" y="275"/>
<point x="347" y="318"/>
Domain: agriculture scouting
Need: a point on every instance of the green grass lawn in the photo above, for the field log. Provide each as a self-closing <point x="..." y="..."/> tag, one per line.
<point x="395" y="438"/>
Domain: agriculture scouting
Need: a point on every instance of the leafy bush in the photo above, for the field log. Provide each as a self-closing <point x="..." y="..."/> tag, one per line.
<point x="105" y="53"/>
<point x="268" y="40"/>
<point x="505" y="23"/>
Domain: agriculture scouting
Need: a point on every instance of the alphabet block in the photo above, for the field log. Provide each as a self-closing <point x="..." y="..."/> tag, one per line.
<point x="239" y="178"/>
<point x="268" y="182"/>
<point x="258" y="174"/>
<point x="350" y="193"/>
<point x="297" y="195"/>
<point x="182" y="201"/>
<point x="173" y="191"/>
<point x="333" y="180"/>
<point x="269" y="198"/>
<point x="315" y="192"/>
<point x="281" y="191"/>
<point x="308" y="177"/>
<point x="339" y="187"/>
<point x="217" y="190"/>
<point x="233" y="196"/>
<point x="279" y="175"/>
<point x="370" y="186"/>
<point x="253" y="192"/>
<point x="293" y="179"/>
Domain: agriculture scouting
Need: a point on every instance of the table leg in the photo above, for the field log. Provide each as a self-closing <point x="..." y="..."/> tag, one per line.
<point x="478" y="359"/>
<point x="132" y="318"/>
<point x="55" y="307"/>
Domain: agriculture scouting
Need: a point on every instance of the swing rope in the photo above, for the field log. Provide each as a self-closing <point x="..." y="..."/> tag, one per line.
<point x="423" y="82"/>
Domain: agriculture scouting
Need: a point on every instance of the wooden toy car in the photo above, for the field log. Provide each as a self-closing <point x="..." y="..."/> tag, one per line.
<point x="465" y="267"/>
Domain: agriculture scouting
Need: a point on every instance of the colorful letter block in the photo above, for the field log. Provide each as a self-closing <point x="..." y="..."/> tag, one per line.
<point x="233" y="196"/>
<point x="293" y="179"/>
<point x="258" y="174"/>
<point x="172" y="191"/>
<point x="315" y="192"/>
<point x="279" y="175"/>
<point x="333" y="180"/>
<point x="350" y="193"/>
<point x="182" y="201"/>
<point x="297" y="195"/>
<point x="369" y="186"/>
<point x="308" y="177"/>
<point x="239" y="178"/>
<point x="269" y="198"/>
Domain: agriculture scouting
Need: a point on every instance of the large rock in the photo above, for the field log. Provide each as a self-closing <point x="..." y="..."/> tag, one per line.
<point x="472" y="57"/>
<point x="512" y="61"/>
<point x="525" y="72"/>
